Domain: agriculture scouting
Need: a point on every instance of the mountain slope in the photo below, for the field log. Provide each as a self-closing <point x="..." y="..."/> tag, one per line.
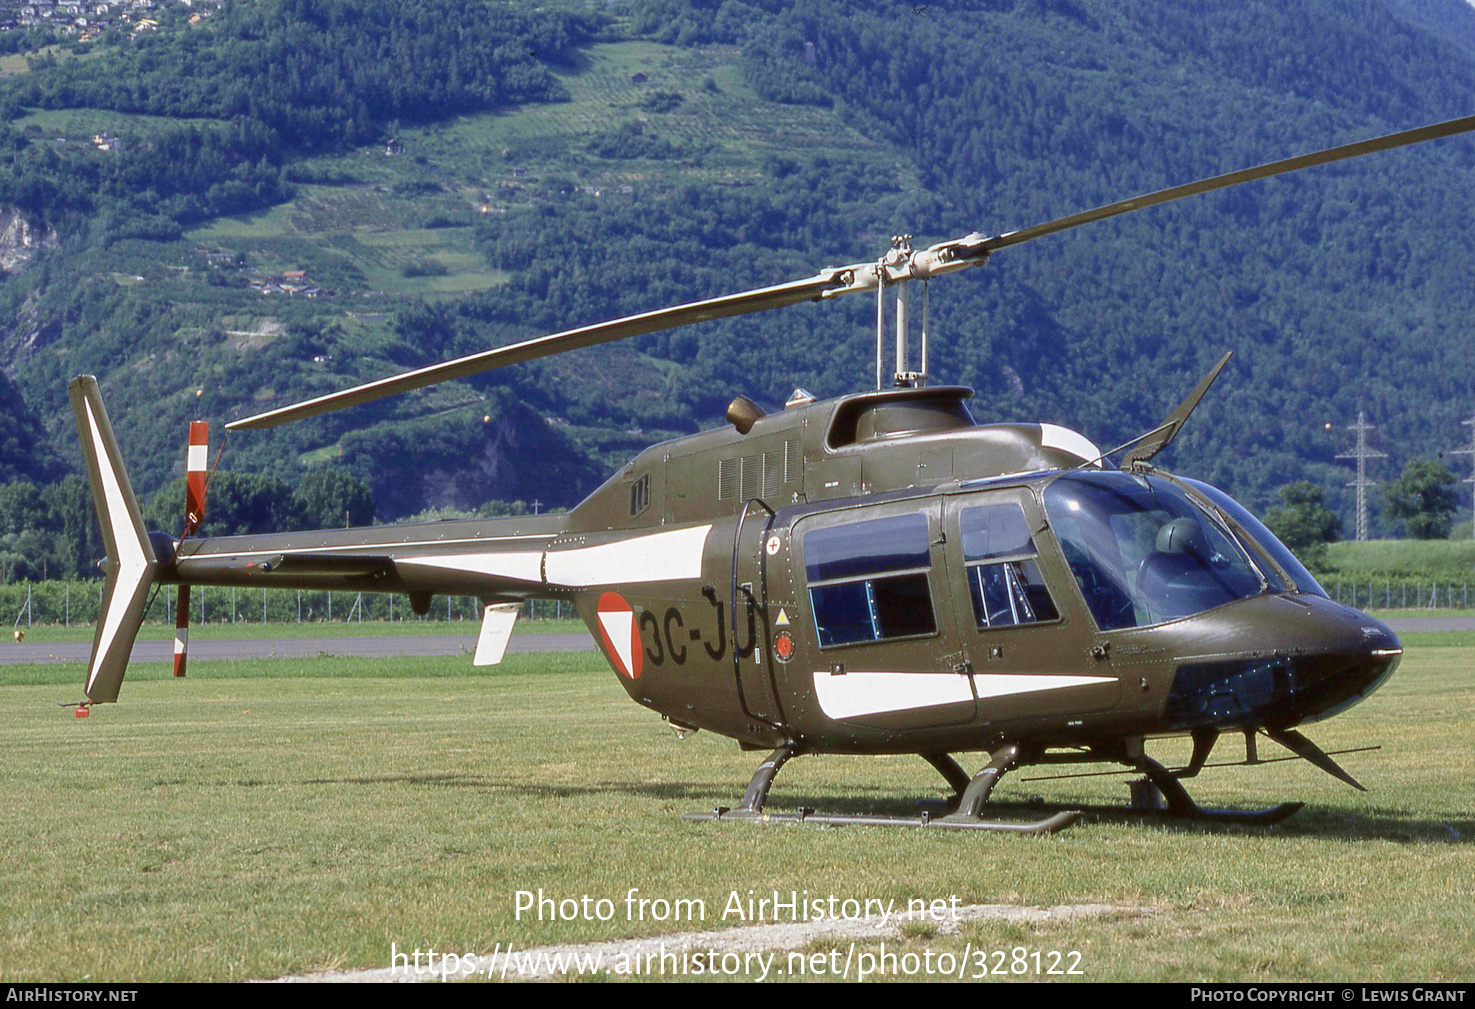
<point x="690" y="150"/>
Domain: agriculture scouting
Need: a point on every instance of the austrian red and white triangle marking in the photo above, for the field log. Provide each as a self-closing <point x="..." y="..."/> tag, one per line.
<point x="621" y="637"/>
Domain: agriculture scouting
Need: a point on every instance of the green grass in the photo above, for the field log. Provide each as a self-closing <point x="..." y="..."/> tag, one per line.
<point x="1442" y="559"/>
<point x="322" y="666"/>
<point x="252" y="824"/>
<point x="273" y="223"/>
<point x="1438" y="639"/>
<point x="379" y="233"/>
<point x="19" y="63"/>
<point x="732" y="127"/>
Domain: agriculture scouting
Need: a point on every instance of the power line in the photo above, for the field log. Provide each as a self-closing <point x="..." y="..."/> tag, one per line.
<point x="1362" y="454"/>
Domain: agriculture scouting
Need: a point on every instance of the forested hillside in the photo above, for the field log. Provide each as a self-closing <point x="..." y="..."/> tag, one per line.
<point x="289" y="196"/>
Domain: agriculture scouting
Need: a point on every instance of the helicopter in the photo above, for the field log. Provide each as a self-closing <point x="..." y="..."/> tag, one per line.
<point x="873" y="574"/>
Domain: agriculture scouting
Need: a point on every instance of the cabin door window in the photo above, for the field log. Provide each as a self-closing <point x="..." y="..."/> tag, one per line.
<point x="868" y="580"/>
<point x="1004" y="576"/>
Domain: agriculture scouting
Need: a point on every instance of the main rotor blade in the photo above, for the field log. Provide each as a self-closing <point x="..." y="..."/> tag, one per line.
<point x="810" y="289"/>
<point x="898" y="265"/>
<point x="1331" y="154"/>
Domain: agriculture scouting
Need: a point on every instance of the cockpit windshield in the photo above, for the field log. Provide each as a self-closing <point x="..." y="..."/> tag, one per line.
<point x="1144" y="552"/>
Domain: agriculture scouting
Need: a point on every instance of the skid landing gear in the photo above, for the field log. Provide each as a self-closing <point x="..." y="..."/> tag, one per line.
<point x="974" y="793"/>
<point x="1162" y="793"/>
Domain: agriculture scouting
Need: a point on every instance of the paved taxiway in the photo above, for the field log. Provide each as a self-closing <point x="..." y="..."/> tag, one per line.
<point x="204" y="649"/>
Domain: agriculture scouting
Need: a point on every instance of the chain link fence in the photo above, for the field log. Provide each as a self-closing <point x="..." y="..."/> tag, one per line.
<point x="1401" y="594"/>
<point x="28" y="604"/>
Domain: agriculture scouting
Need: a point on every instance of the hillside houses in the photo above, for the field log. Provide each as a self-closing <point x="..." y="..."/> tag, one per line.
<point x="290" y="283"/>
<point x="88" y="20"/>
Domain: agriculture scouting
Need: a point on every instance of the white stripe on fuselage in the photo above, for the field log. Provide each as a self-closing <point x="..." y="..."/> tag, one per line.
<point x="658" y="557"/>
<point x="520" y="565"/>
<point x="1066" y="440"/>
<point x="861" y="693"/>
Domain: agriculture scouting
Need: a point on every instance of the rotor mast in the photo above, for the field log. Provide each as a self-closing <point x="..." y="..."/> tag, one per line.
<point x="898" y="268"/>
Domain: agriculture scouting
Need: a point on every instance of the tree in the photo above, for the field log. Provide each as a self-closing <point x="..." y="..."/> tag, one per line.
<point x="78" y="538"/>
<point x="1303" y="523"/>
<point x="330" y="498"/>
<point x="235" y="504"/>
<point x="1423" y="499"/>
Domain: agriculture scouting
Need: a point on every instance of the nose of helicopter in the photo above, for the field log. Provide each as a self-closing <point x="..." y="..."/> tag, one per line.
<point x="1284" y="660"/>
<point x="1360" y="653"/>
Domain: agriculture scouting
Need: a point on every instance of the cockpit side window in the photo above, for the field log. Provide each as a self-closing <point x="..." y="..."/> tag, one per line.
<point x="868" y="580"/>
<point x="1262" y="537"/>
<point x="1003" y="575"/>
<point x="1143" y="552"/>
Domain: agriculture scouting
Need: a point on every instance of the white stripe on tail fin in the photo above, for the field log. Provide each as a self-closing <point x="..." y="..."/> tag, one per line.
<point x="131" y="560"/>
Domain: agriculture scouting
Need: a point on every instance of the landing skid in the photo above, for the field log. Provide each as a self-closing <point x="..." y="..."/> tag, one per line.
<point x="1161" y="793"/>
<point x="1049" y="825"/>
<point x="974" y="792"/>
<point x="1158" y="793"/>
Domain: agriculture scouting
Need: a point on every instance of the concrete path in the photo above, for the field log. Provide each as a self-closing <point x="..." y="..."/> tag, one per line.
<point x="1409" y="624"/>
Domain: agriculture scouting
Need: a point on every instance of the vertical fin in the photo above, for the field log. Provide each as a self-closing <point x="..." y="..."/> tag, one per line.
<point x="132" y="563"/>
<point x="496" y="630"/>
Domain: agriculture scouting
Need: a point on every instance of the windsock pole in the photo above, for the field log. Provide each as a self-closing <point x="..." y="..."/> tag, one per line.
<point x="194" y="513"/>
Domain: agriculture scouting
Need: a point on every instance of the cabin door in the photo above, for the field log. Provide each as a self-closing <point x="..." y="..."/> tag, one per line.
<point x="751" y="654"/>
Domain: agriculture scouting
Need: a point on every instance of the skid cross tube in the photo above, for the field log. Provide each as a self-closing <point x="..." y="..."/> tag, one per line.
<point x="1003" y="760"/>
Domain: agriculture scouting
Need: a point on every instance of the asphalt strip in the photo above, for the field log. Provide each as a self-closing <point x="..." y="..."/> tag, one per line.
<point x="539" y="963"/>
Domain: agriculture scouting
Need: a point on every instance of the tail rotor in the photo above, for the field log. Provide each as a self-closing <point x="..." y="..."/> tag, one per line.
<point x="194" y="514"/>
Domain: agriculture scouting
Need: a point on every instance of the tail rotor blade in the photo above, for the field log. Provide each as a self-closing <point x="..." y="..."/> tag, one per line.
<point x="196" y="463"/>
<point x="181" y="631"/>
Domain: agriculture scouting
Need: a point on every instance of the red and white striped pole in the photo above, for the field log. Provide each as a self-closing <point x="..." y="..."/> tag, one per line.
<point x="194" y="513"/>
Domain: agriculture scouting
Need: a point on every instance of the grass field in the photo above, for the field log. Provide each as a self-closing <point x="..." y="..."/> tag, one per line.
<point x="1444" y="559"/>
<point x="276" y="817"/>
